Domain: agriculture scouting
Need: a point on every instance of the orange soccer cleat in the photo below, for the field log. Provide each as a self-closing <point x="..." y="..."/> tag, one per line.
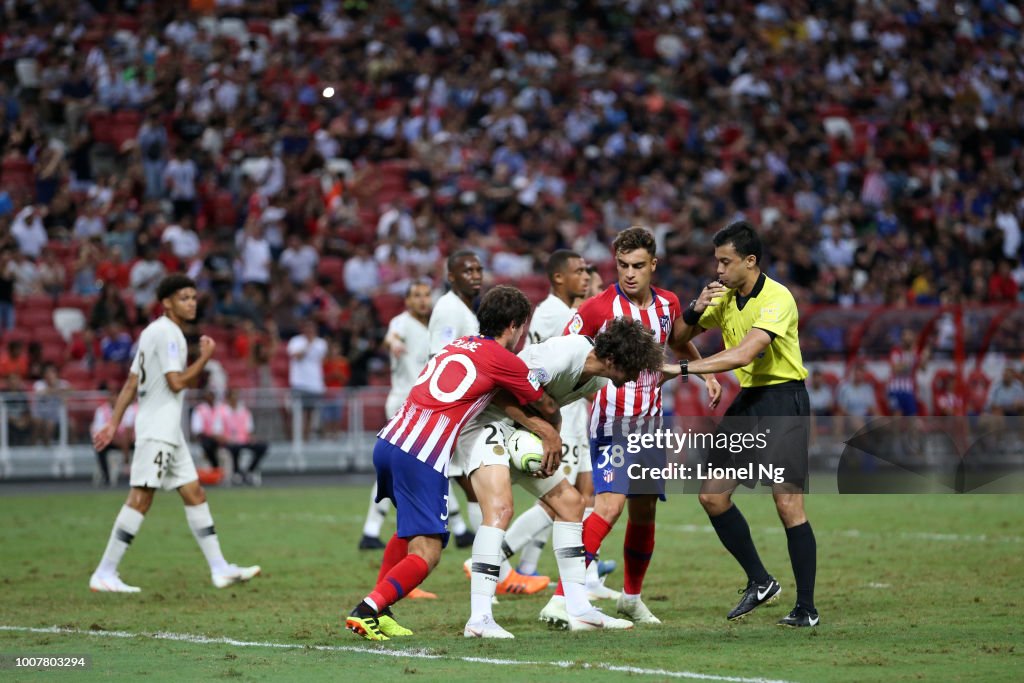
<point x="522" y="584"/>
<point x="420" y="594"/>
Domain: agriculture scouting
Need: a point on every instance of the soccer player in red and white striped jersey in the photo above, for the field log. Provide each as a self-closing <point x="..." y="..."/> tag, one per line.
<point x="413" y="450"/>
<point x="635" y="407"/>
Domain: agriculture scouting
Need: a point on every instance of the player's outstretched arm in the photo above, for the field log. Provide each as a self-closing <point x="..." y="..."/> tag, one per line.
<point x="183" y="380"/>
<point x="106" y="433"/>
<point x="744" y="353"/>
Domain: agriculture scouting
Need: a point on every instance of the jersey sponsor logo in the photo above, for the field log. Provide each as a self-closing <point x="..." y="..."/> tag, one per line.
<point x="577" y="324"/>
<point x="665" y="323"/>
<point x="534" y="379"/>
<point x="770" y="313"/>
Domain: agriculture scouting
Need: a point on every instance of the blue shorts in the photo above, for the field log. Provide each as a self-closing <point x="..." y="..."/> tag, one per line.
<point x="611" y="459"/>
<point x="419" y="492"/>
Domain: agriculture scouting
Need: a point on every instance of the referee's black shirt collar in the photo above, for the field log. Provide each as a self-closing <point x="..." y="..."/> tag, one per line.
<point x="741" y="301"/>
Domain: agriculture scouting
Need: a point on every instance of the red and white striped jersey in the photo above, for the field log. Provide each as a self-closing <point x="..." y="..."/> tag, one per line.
<point x="634" y="399"/>
<point x="456" y="385"/>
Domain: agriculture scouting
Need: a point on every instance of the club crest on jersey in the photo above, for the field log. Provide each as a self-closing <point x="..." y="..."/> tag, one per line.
<point x="534" y="379"/>
<point x="665" y="323"/>
<point x="542" y="375"/>
<point x="576" y="324"/>
<point x="608" y="476"/>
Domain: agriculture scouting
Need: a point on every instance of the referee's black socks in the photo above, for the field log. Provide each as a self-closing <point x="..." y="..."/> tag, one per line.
<point x="803" y="553"/>
<point x="734" y="533"/>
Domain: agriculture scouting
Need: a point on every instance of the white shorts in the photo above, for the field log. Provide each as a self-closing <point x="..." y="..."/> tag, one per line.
<point x="161" y="465"/>
<point x="575" y="459"/>
<point x="483" y="443"/>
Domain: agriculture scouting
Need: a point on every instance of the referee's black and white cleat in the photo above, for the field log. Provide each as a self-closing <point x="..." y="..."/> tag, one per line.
<point x="755" y="595"/>
<point x="800" y="617"/>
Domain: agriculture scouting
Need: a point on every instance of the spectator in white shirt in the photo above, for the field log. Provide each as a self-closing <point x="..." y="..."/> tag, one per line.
<point x="255" y="255"/>
<point x="306" y="353"/>
<point x="299" y="260"/>
<point x="183" y="239"/>
<point x="29" y="232"/>
<point x="360" y="273"/>
<point x="143" y="279"/>
<point x="180" y="179"/>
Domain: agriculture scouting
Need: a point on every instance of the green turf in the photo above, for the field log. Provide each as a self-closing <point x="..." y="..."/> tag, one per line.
<point x="909" y="588"/>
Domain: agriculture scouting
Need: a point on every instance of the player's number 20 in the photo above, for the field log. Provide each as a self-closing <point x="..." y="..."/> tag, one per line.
<point x="432" y="374"/>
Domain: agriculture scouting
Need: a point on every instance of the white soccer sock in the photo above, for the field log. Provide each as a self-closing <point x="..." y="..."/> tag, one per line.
<point x="126" y="526"/>
<point x="525" y="527"/>
<point x="476" y="516"/>
<point x="201" y="522"/>
<point x="567" y="542"/>
<point x="485" y="569"/>
<point x="375" y="515"/>
<point x="529" y="556"/>
<point x="456" y="524"/>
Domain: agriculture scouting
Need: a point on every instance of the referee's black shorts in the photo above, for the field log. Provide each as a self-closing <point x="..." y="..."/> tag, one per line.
<point x="766" y="430"/>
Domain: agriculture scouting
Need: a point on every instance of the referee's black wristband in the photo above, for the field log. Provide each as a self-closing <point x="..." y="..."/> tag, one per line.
<point x="690" y="316"/>
<point x="684" y="368"/>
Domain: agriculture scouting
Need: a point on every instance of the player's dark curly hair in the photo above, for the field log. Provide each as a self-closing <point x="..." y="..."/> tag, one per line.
<point x="172" y="284"/>
<point x="634" y="238"/>
<point x="502" y="306"/>
<point x="630" y="346"/>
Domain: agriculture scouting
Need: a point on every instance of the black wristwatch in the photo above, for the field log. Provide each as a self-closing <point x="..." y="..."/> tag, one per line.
<point x="684" y="368"/>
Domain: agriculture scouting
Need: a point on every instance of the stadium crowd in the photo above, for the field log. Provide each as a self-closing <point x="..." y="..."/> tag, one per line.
<point x="310" y="159"/>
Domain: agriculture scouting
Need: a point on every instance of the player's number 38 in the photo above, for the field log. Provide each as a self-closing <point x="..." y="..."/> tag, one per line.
<point x="613" y="455"/>
<point x="435" y="370"/>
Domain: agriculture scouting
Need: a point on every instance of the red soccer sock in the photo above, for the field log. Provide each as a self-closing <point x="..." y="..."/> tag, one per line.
<point x="394" y="552"/>
<point x="595" y="528"/>
<point x="402" y="578"/>
<point x="636" y="552"/>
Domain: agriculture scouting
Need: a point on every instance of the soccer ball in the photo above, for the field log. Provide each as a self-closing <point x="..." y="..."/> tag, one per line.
<point x="525" y="450"/>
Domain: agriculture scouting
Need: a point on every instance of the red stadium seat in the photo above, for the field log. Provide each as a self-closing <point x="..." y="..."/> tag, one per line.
<point x="18" y="178"/>
<point x="33" y="302"/>
<point x="31" y="318"/>
<point x="388" y="306"/>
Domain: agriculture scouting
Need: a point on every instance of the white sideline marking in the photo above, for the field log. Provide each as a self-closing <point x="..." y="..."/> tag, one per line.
<point x="856" y="533"/>
<point x="412" y="654"/>
<point x="306" y="517"/>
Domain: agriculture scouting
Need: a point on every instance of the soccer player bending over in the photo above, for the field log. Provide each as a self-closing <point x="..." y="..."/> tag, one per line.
<point x="568" y="368"/>
<point x="413" y="450"/>
<point x="759" y="322"/>
<point x="162" y="459"/>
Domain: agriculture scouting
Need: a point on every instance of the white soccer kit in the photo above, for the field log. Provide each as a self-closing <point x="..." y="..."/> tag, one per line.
<point x="407" y="367"/>
<point x="557" y="364"/>
<point x="162" y="458"/>
<point x="549" y="320"/>
<point x="450" y="320"/>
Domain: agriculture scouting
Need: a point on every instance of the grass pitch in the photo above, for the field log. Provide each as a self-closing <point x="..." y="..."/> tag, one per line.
<point x="909" y="588"/>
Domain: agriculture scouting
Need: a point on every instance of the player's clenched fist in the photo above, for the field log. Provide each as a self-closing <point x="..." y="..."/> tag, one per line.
<point x="206" y="346"/>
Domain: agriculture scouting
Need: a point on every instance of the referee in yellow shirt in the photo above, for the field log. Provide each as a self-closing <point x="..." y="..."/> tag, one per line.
<point x="759" y="320"/>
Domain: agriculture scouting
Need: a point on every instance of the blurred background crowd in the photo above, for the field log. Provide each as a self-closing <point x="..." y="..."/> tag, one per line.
<point x="306" y="160"/>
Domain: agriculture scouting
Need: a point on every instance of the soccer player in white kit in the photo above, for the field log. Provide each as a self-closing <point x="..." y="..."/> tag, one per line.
<point x="162" y="459"/>
<point x="407" y="342"/>
<point x="570" y="280"/>
<point x="568" y="368"/>
<point x="451" y="319"/>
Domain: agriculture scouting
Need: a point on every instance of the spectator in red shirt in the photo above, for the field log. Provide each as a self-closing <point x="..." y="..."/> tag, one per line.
<point x="1002" y="288"/>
